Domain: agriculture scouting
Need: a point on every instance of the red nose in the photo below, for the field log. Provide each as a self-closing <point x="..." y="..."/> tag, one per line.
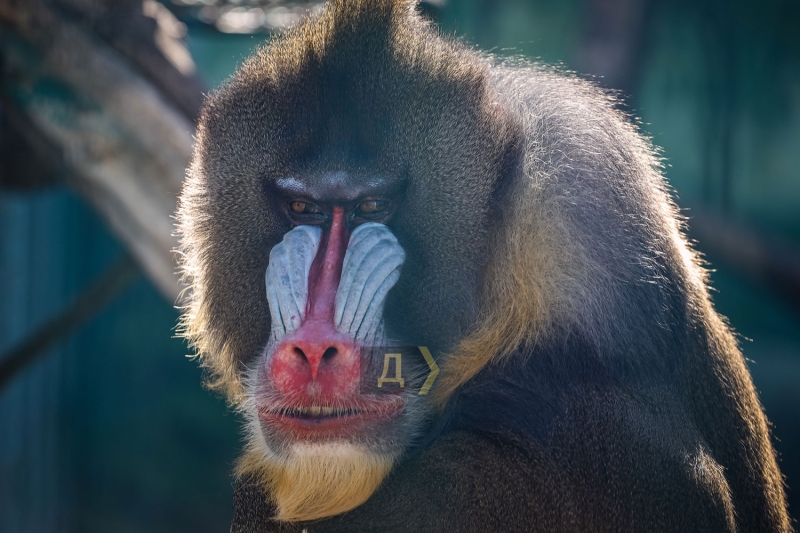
<point x="316" y="352"/>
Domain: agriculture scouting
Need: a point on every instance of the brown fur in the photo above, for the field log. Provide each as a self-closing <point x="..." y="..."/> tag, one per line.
<point x="211" y="326"/>
<point x="543" y="252"/>
<point x="521" y="297"/>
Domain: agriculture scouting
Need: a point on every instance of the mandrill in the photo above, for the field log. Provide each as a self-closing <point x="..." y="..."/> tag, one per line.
<point x="450" y="292"/>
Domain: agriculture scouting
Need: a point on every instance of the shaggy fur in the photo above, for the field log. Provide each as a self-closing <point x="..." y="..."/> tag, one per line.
<point x="587" y="383"/>
<point x="327" y="95"/>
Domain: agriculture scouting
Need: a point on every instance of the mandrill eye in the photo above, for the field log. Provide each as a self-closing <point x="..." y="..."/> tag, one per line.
<point x="372" y="207"/>
<point x="304" y="208"/>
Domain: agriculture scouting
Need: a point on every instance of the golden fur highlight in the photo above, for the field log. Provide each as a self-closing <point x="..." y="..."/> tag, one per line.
<point x="523" y="292"/>
<point x="215" y="355"/>
<point x="317" y="481"/>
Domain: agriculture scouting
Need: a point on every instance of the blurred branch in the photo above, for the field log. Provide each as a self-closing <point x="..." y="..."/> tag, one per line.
<point x="28" y="160"/>
<point x="103" y="291"/>
<point x="115" y="112"/>
<point x="247" y="16"/>
<point x="146" y="34"/>
<point x="612" y="42"/>
<point x="764" y="260"/>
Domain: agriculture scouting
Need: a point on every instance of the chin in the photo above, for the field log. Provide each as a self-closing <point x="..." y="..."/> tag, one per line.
<point x="315" y="469"/>
<point x="317" y="454"/>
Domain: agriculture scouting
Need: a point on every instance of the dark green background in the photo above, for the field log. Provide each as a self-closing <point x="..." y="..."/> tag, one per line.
<point x="112" y="431"/>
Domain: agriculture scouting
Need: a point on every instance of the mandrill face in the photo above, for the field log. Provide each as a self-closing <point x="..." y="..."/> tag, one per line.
<point x="326" y="301"/>
<point x="334" y="390"/>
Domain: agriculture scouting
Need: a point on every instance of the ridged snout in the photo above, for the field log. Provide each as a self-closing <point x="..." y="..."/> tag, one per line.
<point x="313" y="346"/>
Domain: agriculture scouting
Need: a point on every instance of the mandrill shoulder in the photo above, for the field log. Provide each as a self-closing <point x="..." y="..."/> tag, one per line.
<point x="581" y="153"/>
<point x="464" y="482"/>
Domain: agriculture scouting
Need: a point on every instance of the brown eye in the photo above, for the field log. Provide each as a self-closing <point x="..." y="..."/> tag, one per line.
<point x="371" y="207"/>
<point x="303" y="208"/>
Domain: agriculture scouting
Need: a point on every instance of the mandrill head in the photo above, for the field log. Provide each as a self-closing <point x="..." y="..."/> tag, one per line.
<point x="335" y="228"/>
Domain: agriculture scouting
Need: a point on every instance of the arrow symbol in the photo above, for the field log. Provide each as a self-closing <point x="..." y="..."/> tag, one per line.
<point x="434" y="370"/>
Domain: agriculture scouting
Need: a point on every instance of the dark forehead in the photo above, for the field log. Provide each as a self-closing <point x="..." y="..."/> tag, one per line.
<point x="351" y="89"/>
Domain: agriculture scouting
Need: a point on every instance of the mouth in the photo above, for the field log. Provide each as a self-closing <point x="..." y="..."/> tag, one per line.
<point x="317" y="412"/>
<point x="328" y="421"/>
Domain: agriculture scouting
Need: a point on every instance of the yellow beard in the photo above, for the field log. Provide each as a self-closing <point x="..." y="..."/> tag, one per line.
<point x="316" y="480"/>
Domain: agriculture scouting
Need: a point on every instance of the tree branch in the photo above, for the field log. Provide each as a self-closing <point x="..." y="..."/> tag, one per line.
<point x="126" y="145"/>
<point x="96" y="297"/>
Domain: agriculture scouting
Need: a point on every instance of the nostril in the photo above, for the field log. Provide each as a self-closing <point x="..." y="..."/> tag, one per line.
<point x="327" y="355"/>
<point x="329" y="359"/>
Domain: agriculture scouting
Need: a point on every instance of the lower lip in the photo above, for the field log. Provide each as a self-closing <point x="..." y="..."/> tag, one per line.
<point x="331" y="426"/>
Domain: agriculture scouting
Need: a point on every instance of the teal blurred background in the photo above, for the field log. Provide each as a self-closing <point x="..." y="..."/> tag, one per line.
<point x="112" y="430"/>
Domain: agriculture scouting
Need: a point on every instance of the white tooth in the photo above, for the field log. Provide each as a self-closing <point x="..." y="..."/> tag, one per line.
<point x="327" y="411"/>
<point x="315" y="410"/>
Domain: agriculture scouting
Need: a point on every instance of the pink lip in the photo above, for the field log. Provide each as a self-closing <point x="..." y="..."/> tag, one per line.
<point x="355" y="417"/>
